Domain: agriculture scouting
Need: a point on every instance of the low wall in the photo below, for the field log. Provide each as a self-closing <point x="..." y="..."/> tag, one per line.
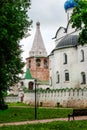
<point x="12" y="99"/>
<point x="65" y="98"/>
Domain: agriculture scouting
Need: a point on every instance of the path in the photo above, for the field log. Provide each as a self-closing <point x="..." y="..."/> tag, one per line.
<point x="42" y="121"/>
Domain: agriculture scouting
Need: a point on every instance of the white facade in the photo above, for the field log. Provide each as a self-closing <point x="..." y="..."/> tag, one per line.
<point x="74" y="66"/>
<point x="73" y="73"/>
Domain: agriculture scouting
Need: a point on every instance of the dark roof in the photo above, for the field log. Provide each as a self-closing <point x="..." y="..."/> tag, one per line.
<point x="68" y="41"/>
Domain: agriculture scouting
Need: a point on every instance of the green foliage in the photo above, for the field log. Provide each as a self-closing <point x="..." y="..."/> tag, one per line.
<point x="14" y="23"/>
<point x="79" y="20"/>
<point x="25" y="89"/>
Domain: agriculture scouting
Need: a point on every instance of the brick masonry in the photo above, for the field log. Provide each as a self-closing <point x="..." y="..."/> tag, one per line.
<point x="40" y="72"/>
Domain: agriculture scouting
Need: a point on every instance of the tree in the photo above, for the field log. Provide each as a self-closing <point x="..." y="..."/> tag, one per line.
<point x="14" y="23"/>
<point x="79" y="20"/>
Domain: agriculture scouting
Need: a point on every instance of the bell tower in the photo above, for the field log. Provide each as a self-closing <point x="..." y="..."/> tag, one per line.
<point x="38" y="62"/>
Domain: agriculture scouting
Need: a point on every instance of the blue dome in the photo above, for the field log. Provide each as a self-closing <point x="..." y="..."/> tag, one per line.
<point x="69" y="4"/>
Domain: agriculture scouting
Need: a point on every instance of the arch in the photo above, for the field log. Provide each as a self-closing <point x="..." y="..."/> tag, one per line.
<point x="82" y="55"/>
<point x="57" y="77"/>
<point x="65" y="58"/>
<point x="38" y="62"/>
<point x="47" y="88"/>
<point x="83" y="78"/>
<point x="30" y="86"/>
<point x="66" y="75"/>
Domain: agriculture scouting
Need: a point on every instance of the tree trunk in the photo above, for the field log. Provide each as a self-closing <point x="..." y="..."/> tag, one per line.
<point x="3" y="106"/>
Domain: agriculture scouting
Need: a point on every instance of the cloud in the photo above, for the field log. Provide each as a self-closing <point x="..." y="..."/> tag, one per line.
<point x="47" y="11"/>
<point x="51" y="15"/>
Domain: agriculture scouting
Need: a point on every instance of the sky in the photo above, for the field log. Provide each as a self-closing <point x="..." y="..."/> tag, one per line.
<point x="51" y="15"/>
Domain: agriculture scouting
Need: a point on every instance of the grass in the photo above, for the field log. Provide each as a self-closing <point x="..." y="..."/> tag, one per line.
<point x="16" y="114"/>
<point x="17" y="104"/>
<point x="60" y="125"/>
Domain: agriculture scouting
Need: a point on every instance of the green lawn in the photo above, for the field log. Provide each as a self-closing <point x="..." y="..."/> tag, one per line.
<point x="14" y="114"/>
<point x="17" y="104"/>
<point x="59" y="125"/>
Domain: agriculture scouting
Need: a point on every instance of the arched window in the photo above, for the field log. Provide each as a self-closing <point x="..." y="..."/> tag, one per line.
<point x="82" y="55"/>
<point x="45" y="64"/>
<point x="65" y="58"/>
<point x="30" y="86"/>
<point x="57" y="77"/>
<point x="38" y="62"/>
<point x="66" y="75"/>
<point x="29" y="63"/>
<point x="83" y="78"/>
<point x="50" y="81"/>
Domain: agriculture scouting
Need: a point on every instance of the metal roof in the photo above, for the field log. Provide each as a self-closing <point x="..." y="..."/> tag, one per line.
<point x="68" y="41"/>
<point x="28" y="74"/>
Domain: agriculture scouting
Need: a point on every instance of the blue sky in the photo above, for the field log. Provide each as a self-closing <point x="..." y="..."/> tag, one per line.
<point x="51" y="15"/>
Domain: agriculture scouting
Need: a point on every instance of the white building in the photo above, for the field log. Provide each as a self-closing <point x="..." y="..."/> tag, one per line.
<point x="68" y="60"/>
<point x="68" y="70"/>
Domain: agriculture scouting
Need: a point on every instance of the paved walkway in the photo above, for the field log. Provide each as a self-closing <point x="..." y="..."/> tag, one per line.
<point x="42" y="121"/>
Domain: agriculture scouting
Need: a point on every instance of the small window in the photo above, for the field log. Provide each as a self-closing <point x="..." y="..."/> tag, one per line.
<point x="50" y="81"/>
<point x="83" y="77"/>
<point x="45" y="64"/>
<point x="29" y="63"/>
<point x="30" y="86"/>
<point x="38" y="62"/>
<point x="65" y="58"/>
<point x="82" y="56"/>
<point x="66" y="76"/>
<point x="57" y="77"/>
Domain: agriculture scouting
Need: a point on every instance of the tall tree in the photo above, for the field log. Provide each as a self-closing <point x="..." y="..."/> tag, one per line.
<point x="14" y="23"/>
<point x="79" y="20"/>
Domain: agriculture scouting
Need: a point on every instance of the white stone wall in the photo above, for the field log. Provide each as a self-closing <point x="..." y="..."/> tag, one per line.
<point x="57" y="64"/>
<point x="65" y="98"/>
<point x="13" y="99"/>
<point x="51" y="67"/>
<point x="82" y="65"/>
